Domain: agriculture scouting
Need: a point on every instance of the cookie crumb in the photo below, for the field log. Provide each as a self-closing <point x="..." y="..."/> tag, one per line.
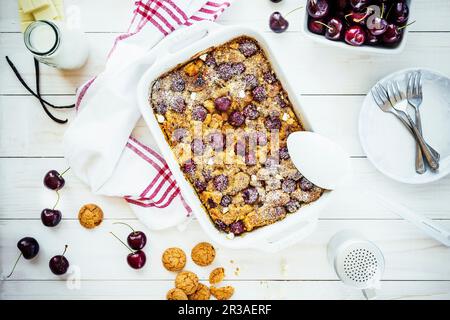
<point x="236" y="271"/>
<point x="174" y="259"/>
<point x="217" y="275"/>
<point x="222" y="293"/>
<point x="187" y="281"/>
<point x="176" y="294"/>
<point x="90" y="216"/>
<point x="202" y="293"/>
<point x="203" y="254"/>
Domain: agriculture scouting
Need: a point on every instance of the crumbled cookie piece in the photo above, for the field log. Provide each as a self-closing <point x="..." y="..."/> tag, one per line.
<point x="203" y="254"/>
<point x="222" y="293"/>
<point x="187" y="281"/>
<point x="174" y="259"/>
<point x="176" y="294"/>
<point x="90" y="215"/>
<point x="216" y="275"/>
<point x="202" y="293"/>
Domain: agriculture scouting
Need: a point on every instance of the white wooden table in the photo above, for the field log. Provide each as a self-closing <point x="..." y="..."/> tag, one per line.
<point x="333" y="83"/>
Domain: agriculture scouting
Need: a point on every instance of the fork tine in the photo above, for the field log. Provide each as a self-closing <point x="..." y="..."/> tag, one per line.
<point x="409" y="87"/>
<point x="420" y="84"/>
<point x="415" y="87"/>
<point x="399" y="92"/>
<point x="390" y="93"/>
<point x="382" y="92"/>
<point x="376" y="97"/>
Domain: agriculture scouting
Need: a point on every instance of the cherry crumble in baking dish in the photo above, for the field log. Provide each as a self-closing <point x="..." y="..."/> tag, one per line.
<point x="227" y="118"/>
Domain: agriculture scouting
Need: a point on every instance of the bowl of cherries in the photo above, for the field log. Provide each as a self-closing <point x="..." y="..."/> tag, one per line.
<point x="364" y="25"/>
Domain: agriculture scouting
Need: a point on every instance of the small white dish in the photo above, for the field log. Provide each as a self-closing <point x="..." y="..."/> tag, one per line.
<point x="365" y="48"/>
<point x="319" y="159"/>
<point x="390" y="146"/>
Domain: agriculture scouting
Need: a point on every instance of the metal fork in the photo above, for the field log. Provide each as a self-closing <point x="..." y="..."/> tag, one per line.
<point x="381" y="98"/>
<point x="400" y="104"/>
<point x="414" y="97"/>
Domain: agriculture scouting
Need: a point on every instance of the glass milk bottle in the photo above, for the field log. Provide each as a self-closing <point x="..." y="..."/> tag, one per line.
<point x="54" y="44"/>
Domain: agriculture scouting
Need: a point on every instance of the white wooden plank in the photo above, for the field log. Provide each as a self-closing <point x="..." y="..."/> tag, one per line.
<point x="23" y="196"/>
<point x="310" y="67"/>
<point x="409" y="254"/>
<point x="246" y="290"/>
<point x="114" y="15"/>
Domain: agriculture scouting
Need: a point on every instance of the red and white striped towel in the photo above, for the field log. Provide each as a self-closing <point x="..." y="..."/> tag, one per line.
<point x="99" y="144"/>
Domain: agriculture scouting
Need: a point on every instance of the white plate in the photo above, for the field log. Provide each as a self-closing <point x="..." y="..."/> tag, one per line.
<point x="389" y="145"/>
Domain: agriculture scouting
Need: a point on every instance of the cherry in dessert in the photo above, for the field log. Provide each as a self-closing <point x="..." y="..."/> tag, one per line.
<point x="334" y="29"/>
<point x="51" y="217"/>
<point x="54" y="180"/>
<point x="318" y="8"/>
<point x="393" y="35"/>
<point x="59" y="264"/>
<point x="136" y="239"/>
<point x="277" y="23"/>
<point x="359" y="4"/>
<point x="399" y="13"/>
<point x="355" y="36"/>
<point x="29" y="248"/>
<point x="316" y="26"/>
<point x="136" y="259"/>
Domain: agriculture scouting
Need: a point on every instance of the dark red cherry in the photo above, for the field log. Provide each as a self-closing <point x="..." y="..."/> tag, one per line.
<point x="334" y="30"/>
<point x="355" y="36"/>
<point x="59" y="264"/>
<point x="53" y="180"/>
<point x="359" y="4"/>
<point x="318" y="8"/>
<point x="277" y="23"/>
<point x="237" y="227"/>
<point x="393" y="35"/>
<point x="357" y="17"/>
<point x="377" y="26"/>
<point x="399" y="13"/>
<point x="275" y="1"/>
<point x="137" y="240"/>
<point x="372" y="40"/>
<point x="137" y="259"/>
<point x="51" y="217"/>
<point x="29" y="247"/>
<point x="316" y="26"/>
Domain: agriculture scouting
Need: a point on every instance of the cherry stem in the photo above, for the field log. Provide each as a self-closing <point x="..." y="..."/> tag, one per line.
<point x="298" y="8"/>
<point x="61" y="174"/>
<point x="15" y="264"/>
<point x="407" y="25"/>
<point x="382" y="10"/>
<point x="325" y="25"/>
<point x="57" y="200"/>
<point x="125" y="224"/>
<point x="122" y="242"/>
<point x="65" y="249"/>
<point x="389" y="11"/>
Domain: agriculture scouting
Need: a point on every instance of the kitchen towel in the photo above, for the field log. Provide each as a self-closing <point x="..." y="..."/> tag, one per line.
<point x="103" y="146"/>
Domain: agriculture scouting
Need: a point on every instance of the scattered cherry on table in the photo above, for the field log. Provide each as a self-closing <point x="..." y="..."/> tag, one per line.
<point x="54" y="180"/>
<point x="135" y="259"/>
<point x="29" y="248"/>
<point x="59" y="264"/>
<point x="136" y="239"/>
<point x="51" y="217"/>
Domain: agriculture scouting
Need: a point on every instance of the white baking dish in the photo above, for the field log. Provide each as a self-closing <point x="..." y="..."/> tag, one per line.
<point x="178" y="48"/>
<point x="365" y="48"/>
